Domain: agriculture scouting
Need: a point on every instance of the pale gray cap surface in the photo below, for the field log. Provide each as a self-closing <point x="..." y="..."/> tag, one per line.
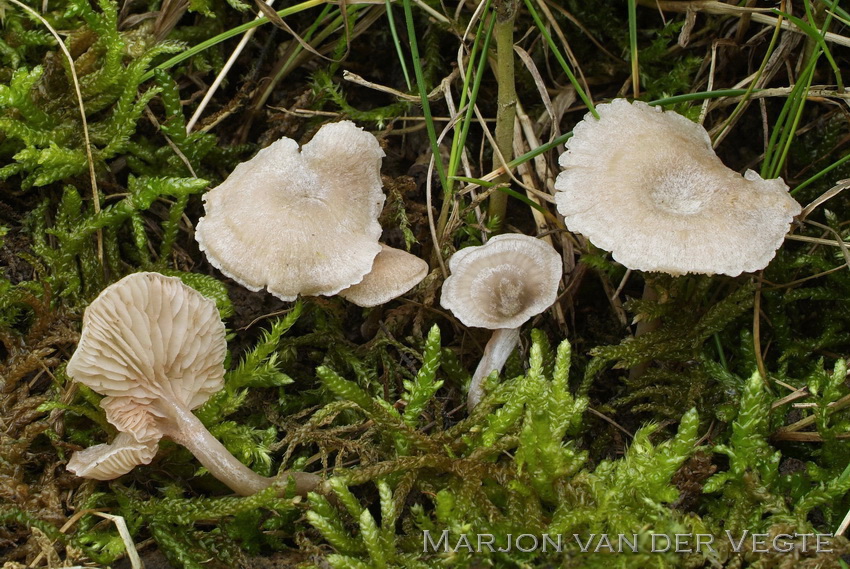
<point x="299" y="222"/>
<point x="647" y="186"/>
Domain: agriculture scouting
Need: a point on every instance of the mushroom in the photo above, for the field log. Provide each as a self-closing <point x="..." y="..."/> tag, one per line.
<point x="499" y="286"/>
<point x="300" y="222"/>
<point x="393" y="273"/>
<point x="107" y="462"/>
<point x="646" y="185"/>
<point x="155" y="348"/>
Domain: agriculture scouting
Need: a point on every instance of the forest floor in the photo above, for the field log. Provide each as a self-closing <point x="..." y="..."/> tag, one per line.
<point x="726" y="417"/>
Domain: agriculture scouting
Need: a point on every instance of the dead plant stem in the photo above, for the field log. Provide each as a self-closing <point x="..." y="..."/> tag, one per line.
<point x="506" y="99"/>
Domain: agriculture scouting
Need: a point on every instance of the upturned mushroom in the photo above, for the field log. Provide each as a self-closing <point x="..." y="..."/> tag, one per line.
<point x="305" y="222"/>
<point x="499" y="286"/>
<point x="646" y="185"/>
<point x="155" y="348"/>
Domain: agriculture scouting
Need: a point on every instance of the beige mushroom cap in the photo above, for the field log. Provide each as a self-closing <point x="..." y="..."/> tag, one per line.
<point x="299" y="222"/>
<point x="393" y="273"/>
<point x="149" y="337"/>
<point x="503" y="283"/>
<point x="647" y="186"/>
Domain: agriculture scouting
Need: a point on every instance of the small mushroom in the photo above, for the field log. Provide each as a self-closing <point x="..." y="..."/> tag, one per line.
<point x="299" y="222"/>
<point x="393" y="273"/>
<point x="155" y="348"/>
<point x="107" y="462"/>
<point x="499" y="286"/>
<point x="646" y="185"/>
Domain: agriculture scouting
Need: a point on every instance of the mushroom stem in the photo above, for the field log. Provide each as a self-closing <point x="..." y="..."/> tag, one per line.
<point x="187" y="430"/>
<point x="501" y="344"/>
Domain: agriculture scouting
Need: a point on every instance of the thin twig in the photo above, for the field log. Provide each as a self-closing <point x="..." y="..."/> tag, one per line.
<point x="774" y="286"/>
<point x="431" y="225"/>
<point x="844" y="523"/>
<point x="786" y="25"/>
<point x="805" y="437"/>
<point x="757" y="329"/>
<point x="222" y="74"/>
<point x="827" y="195"/>
<point x="174" y="147"/>
<point x="818" y="240"/>
<point x="806" y="421"/>
<point x="724" y="9"/>
<point x="611" y="421"/>
<point x="793" y="396"/>
<point x="126" y="538"/>
<point x="841" y="244"/>
<point x="435" y="93"/>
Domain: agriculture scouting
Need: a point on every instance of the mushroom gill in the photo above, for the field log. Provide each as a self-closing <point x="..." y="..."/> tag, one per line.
<point x="155" y="348"/>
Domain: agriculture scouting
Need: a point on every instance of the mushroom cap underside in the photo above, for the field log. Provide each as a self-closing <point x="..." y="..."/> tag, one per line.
<point x="109" y="461"/>
<point x="148" y="337"/>
<point x="393" y="273"/>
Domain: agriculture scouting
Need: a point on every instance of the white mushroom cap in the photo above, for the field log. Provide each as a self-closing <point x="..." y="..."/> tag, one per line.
<point x="503" y="283"/>
<point x="647" y="186"/>
<point x="393" y="273"/>
<point x="146" y="338"/>
<point x="299" y="222"/>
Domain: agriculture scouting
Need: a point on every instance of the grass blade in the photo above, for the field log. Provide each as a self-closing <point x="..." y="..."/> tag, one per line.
<point x="397" y="42"/>
<point x="423" y="93"/>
